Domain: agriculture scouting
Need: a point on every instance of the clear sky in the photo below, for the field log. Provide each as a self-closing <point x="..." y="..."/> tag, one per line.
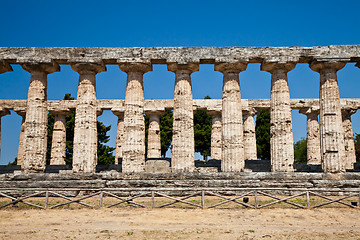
<point x="175" y="23"/>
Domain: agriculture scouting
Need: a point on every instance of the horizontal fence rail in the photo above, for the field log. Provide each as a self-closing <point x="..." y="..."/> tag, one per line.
<point x="252" y="198"/>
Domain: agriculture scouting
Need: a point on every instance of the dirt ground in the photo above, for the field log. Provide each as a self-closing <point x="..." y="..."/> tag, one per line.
<point x="173" y="223"/>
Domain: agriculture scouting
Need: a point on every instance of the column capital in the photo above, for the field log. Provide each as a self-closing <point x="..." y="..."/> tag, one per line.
<point x="99" y="112"/>
<point x="348" y="111"/>
<point x="118" y="113"/>
<point x="4" y="112"/>
<point x="190" y="67"/>
<point x="230" y="67"/>
<point x="318" y="66"/>
<point x="214" y="113"/>
<point x="41" y="67"/>
<point x="309" y="110"/>
<point x="88" y="68"/>
<point x="60" y="112"/>
<point x="5" y="67"/>
<point x="272" y="67"/>
<point x="154" y="112"/>
<point x="21" y="112"/>
<point x="250" y="112"/>
<point x="135" y="67"/>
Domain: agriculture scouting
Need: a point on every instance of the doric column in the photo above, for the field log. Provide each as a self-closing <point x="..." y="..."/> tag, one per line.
<point x="133" y="150"/>
<point x="154" y="141"/>
<point x="250" y="152"/>
<point x="216" y="134"/>
<point x="331" y="130"/>
<point x="21" y="138"/>
<point x="281" y="136"/>
<point x="35" y="135"/>
<point x="183" y="145"/>
<point x="232" y="159"/>
<point x="58" y="145"/>
<point x="119" y="135"/>
<point x="85" y="131"/>
<point x="350" y="157"/>
<point x="313" y="135"/>
<point x="3" y="112"/>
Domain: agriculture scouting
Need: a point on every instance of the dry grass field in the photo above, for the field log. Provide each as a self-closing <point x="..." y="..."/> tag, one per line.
<point x="125" y="222"/>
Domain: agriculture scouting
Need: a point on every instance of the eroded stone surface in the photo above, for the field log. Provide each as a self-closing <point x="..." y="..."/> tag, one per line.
<point x="162" y="55"/>
<point x="216" y="135"/>
<point x="133" y="149"/>
<point x="350" y="157"/>
<point x="119" y="136"/>
<point x="35" y="135"/>
<point x="58" y="144"/>
<point x="85" y="132"/>
<point x="313" y="135"/>
<point x="154" y="141"/>
<point x="250" y="151"/>
<point x="21" y="138"/>
<point x="232" y="128"/>
<point x="331" y="128"/>
<point x="281" y="136"/>
<point x="183" y="145"/>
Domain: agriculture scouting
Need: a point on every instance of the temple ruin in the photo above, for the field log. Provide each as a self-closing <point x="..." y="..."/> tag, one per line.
<point x="233" y="141"/>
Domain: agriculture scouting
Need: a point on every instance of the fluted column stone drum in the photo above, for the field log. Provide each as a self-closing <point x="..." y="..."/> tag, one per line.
<point x="232" y="159"/>
<point x="331" y="128"/>
<point x="281" y="136"/>
<point x="35" y="135"/>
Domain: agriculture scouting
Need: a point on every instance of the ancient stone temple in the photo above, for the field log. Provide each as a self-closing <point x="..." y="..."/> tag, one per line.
<point x="330" y="143"/>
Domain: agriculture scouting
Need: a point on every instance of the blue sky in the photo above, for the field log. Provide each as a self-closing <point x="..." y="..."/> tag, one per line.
<point x="175" y="23"/>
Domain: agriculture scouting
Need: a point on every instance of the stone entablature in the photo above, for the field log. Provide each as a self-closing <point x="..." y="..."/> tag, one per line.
<point x="181" y="55"/>
<point x="232" y="116"/>
<point x="167" y="104"/>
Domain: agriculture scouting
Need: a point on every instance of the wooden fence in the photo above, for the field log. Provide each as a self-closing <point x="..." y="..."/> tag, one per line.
<point x="201" y="197"/>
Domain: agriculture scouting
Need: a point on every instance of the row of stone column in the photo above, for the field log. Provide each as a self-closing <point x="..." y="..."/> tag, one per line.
<point x="313" y="137"/>
<point x="232" y="136"/>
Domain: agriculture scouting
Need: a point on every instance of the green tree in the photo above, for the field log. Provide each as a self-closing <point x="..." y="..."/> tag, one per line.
<point x="202" y="132"/>
<point x="166" y="131"/>
<point x="357" y="146"/>
<point x="104" y="152"/>
<point x="166" y="124"/>
<point x="300" y="151"/>
<point x="262" y="131"/>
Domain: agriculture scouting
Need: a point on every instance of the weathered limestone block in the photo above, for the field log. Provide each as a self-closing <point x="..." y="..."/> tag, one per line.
<point x="85" y="132"/>
<point x="331" y="129"/>
<point x="313" y="135"/>
<point x="35" y="135"/>
<point x="154" y="141"/>
<point x="157" y="166"/>
<point x="178" y="54"/>
<point x="232" y="159"/>
<point x="183" y="145"/>
<point x="216" y="134"/>
<point x="250" y="152"/>
<point x="3" y="112"/>
<point x="281" y="136"/>
<point x="119" y="135"/>
<point x="21" y="138"/>
<point x="350" y="157"/>
<point x="133" y="150"/>
<point x="58" y="145"/>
